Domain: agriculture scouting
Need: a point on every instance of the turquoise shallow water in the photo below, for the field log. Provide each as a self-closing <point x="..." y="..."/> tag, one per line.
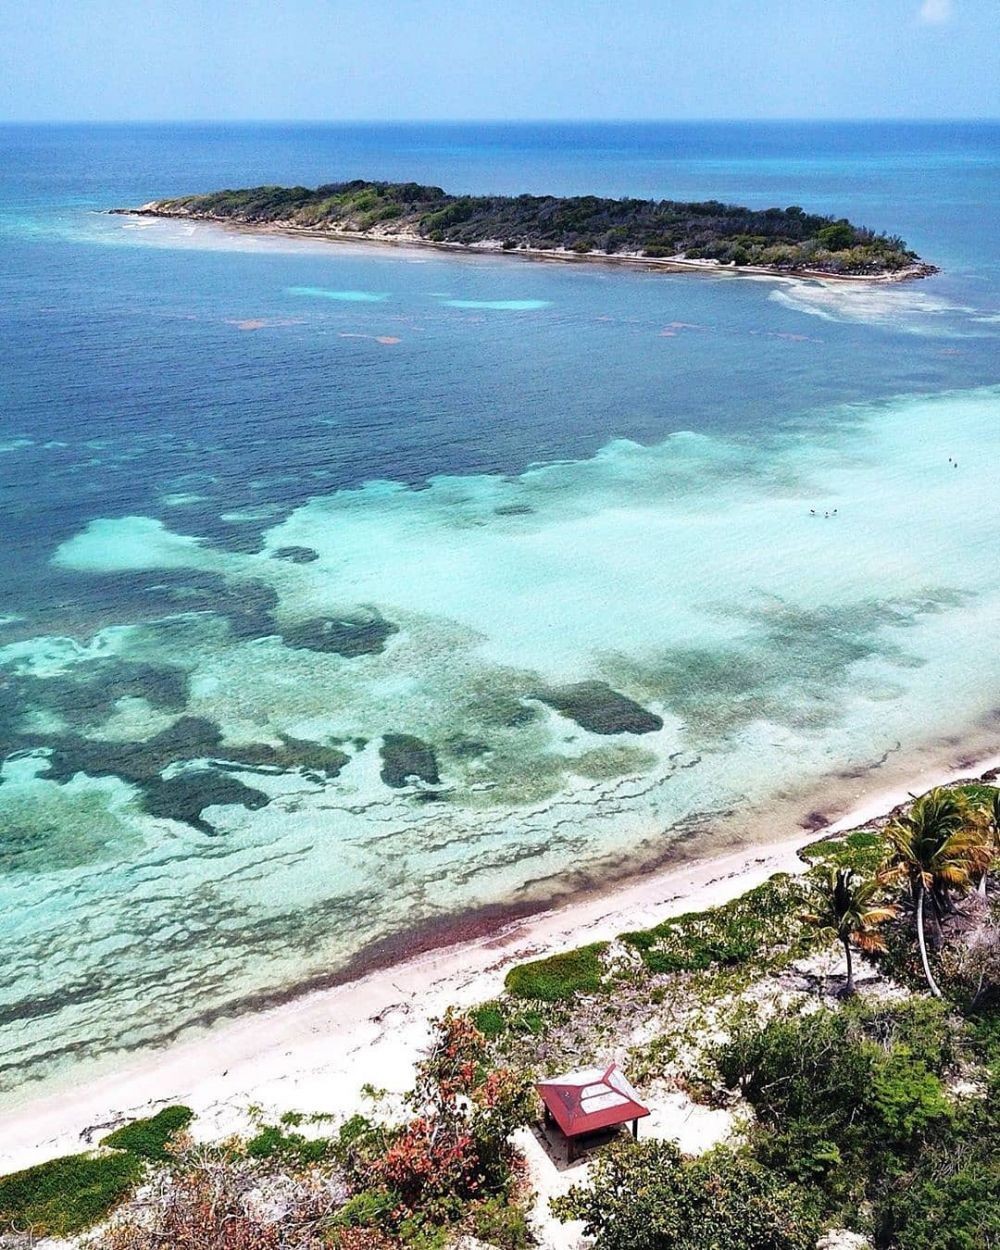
<point x="347" y="592"/>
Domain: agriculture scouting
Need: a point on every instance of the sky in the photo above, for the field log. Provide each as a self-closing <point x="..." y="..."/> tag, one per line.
<point x="331" y="60"/>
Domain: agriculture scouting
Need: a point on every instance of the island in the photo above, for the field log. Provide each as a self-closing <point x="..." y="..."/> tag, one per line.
<point x="665" y="233"/>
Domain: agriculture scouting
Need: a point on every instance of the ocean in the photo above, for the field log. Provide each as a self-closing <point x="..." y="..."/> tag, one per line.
<point x="352" y="596"/>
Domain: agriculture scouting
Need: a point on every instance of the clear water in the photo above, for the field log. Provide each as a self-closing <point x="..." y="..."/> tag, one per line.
<point x="287" y="525"/>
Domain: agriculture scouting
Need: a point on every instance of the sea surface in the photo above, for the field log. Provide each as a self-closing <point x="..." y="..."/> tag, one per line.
<point x="350" y="593"/>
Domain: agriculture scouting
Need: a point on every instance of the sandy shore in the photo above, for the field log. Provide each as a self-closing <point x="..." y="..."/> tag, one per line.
<point x="494" y="247"/>
<point x="315" y="1053"/>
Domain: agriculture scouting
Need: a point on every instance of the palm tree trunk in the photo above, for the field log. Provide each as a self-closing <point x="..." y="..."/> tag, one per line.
<point x="933" y="913"/>
<point x="922" y="943"/>
<point x="849" y="987"/>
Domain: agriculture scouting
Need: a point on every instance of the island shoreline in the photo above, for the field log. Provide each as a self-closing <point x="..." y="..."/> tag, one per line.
<point x="495" y="248"/>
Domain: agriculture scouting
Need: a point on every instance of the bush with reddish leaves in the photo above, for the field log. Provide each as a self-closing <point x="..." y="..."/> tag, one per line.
<point x="375" y="1187"/>
<point x="456" y="1148"/>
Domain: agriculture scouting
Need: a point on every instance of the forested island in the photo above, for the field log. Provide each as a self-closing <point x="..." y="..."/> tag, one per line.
<point x="664" y="232"/>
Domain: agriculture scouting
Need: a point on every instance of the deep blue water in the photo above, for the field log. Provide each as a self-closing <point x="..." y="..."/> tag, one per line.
<point x="131" y="346"/>
<point x="213" y="384"/>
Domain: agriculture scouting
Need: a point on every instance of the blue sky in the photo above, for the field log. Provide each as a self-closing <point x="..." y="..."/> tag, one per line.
<point x="518" y="59"/>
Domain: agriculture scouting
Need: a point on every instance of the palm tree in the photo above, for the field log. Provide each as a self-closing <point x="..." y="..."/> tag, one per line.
<point x="936" y="847"/>
<point x="847" y="909"/>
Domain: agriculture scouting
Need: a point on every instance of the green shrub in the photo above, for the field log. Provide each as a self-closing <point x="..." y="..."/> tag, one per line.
<point x="148" y="1138"/>
<point x="647" y="1196"/>
<point x="845" y="1097"/>
<point x="273" y="1142"/>
<point x="489" y="1019"/>
<point x="496" y="1019"/>
<point x="837" y="236"/>
<point x="502" y="1223"/>
<point x="367" y="1209"/>
<point x="978" y="793"/>
<point x="65" y="1196"/>
<point x="424" y="1234"/>
<point x="744" y="929"/>
<point x="559" y="977"/>
<point x="951" y="1199"/>
<point x="907" y="1101"/>
<point x="863" y="850"/>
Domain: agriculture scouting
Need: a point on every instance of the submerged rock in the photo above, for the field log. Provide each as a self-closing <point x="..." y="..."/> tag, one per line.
<point x="185" y="796"/>
<point x="346" y="636"/>
<point x="138" y="762"/>
<point x="405" y="757"/>
<point x="601" y="710"/>
<point x="296" y="555"/>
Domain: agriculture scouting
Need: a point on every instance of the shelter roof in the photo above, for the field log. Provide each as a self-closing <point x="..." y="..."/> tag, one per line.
<point x="591" y="1099"/>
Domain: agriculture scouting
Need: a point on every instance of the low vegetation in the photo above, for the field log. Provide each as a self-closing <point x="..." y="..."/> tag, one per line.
<point x="762" y="924"/>
<point x="560" y="976"/>
<point x="647" y="1196"/>
<point x="436" y="1166"/>
<point x="783" y="239"/>
<point x="63" y="1196"/>
<point x="149" y="1138"/>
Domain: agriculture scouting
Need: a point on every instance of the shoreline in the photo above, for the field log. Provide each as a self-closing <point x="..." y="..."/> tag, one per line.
<point x="314" y="1051"/>
<point x="493" y="248"/>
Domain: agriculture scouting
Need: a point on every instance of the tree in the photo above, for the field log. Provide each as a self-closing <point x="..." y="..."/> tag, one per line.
<point x="936" y="848"/>
<point x="837" y="236"/>
<point x="846" y="907"/>
<point x="648" y="1196"/>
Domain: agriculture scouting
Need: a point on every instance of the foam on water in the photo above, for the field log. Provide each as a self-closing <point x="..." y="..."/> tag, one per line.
<point x="572" y="667"/>
<point x="901" y="307"/>
<point x="500" y="305"/>
<point x="349" y="297"/>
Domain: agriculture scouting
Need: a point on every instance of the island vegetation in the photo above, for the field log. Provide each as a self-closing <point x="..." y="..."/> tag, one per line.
<point x="844" y="1021"/>
<point x="780" y="240"/>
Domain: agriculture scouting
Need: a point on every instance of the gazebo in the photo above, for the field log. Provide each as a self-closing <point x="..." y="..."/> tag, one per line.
<point x="588" y="1101"/>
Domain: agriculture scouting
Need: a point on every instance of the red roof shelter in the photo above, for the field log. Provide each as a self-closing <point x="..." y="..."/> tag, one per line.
<point x="591" y="1100"/>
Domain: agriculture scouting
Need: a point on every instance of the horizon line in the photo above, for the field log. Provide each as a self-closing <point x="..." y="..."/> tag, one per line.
<point x="487" y="121"/>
